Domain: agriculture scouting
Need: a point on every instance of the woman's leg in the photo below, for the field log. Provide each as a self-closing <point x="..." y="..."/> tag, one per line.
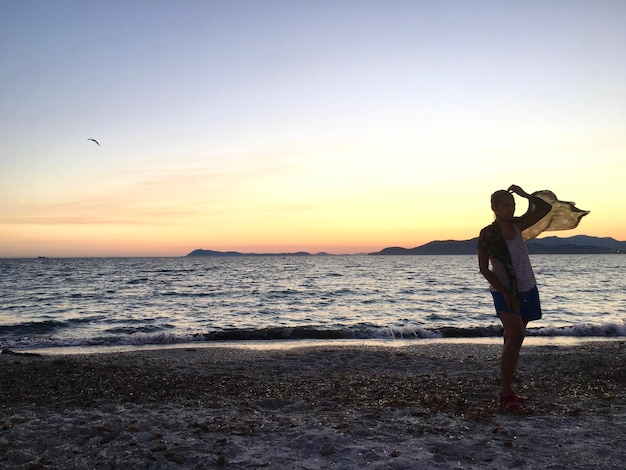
<point x="514" y="331"/>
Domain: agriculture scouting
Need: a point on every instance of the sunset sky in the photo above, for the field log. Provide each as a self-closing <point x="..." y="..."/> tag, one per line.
<point x="283" y="125"/>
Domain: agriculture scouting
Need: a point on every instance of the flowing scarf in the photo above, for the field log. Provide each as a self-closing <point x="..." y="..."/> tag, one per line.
<point x="563" y="216"/>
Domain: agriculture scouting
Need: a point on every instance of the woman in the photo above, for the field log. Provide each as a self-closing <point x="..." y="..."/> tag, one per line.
<point x="512" y="280"/>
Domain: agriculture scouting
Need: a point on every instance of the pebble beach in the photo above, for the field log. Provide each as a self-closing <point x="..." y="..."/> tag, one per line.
<point x="318" y="407"/>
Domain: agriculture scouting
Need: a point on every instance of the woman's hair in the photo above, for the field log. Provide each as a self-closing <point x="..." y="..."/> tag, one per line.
<point x="499" y="196"/>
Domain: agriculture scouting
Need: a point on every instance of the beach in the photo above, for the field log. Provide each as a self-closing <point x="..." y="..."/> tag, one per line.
<point x="318" y="407"/>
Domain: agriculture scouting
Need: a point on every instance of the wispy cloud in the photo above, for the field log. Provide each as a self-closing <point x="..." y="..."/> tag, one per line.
<point x="167" y="193"/>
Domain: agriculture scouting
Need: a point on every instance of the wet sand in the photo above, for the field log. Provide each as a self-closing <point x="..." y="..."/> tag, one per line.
<point x="348" y="407"/>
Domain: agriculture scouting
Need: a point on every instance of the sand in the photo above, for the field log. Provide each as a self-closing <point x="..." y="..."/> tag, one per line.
<point x="345" y="407"/>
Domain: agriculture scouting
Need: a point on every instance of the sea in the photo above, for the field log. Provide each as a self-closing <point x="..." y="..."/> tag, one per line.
<point x="95" y="303"/>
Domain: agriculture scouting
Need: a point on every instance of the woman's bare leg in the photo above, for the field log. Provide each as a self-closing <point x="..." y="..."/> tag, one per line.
<point x="514" y="331"/>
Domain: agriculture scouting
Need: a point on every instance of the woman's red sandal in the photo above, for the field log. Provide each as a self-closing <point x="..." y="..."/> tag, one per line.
<point x="512" y="403"/>
<point x="521" y="398"/>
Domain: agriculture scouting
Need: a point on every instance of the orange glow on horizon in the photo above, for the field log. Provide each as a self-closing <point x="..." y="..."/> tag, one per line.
<point x="90" y="241"/>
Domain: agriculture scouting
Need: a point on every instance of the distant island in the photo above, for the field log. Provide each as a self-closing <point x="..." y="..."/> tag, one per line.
<point x="200" y="253"/>
<point x="578" y="244"/>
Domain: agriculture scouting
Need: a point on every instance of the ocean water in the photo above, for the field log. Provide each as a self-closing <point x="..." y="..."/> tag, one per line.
<point x="141" y="301"/>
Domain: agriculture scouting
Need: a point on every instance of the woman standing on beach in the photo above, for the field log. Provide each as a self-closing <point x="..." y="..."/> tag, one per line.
<point x="512" y="280"/>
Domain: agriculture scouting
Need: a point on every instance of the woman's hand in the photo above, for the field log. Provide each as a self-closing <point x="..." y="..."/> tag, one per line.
<point x="513" y="302"/>
<point x="519" y="191"/>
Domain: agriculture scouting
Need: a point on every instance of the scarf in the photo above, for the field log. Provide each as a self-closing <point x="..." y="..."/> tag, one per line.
<point x="492" y="242"/>
<point x="563" y="216"/>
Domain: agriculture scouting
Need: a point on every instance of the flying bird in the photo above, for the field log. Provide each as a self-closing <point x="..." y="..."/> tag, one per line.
<point x="95" y="141"/>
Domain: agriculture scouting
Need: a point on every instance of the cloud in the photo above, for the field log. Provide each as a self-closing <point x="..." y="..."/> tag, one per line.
<point x="164" y="193"/>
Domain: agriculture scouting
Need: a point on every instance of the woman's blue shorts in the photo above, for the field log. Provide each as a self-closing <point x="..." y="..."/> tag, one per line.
<point x="530" y="308"/>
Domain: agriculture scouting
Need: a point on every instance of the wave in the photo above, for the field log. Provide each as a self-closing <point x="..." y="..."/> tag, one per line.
<point x="604" y="330"/>
<point x="44" y="327"/>
<point x="31" y="328"/>
<point x="40" y="335"/>
<point x="373" y="332"/>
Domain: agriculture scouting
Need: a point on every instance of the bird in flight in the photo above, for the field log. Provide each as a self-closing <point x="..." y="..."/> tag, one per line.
<point x="95" y="141"/>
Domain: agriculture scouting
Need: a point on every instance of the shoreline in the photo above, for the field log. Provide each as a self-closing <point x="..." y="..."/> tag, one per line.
<point x="353" y="406"/>
<point x="306" y="343"/>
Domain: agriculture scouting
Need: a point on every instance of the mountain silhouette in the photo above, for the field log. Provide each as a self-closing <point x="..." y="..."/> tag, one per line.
<point x="578" y="244"/>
